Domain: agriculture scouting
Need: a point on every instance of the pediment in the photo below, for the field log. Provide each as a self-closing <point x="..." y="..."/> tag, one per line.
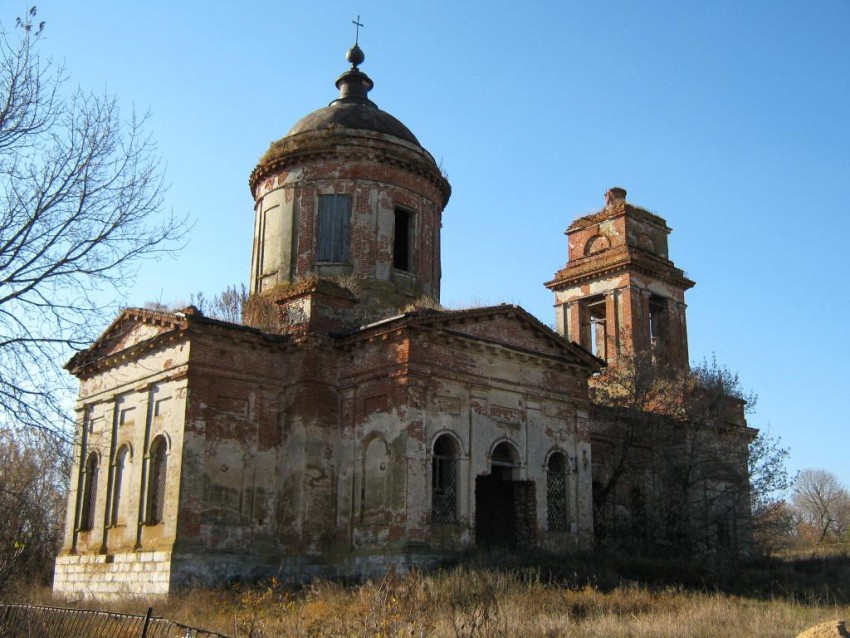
<point x="134" y="326"/>
<point x="512" y="327"/>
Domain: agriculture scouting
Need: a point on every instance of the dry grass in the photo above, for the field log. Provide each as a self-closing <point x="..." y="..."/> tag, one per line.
<point x="772" y="599"/>
<point x="463" y="603"/>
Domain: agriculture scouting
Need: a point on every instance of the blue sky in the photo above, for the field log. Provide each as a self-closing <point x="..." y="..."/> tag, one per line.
<point x="729" y="119"/>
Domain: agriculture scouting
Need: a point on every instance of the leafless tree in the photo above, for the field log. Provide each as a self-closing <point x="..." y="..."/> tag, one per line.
<point x="32" y="497"/>
<point x="822" y="505"/>
<point x="235" y="305"/>
<point x="670" y="455"/>
<point x="81" y="193"/>
<point x="228" y="305"/>
<point x="769" y="485"/>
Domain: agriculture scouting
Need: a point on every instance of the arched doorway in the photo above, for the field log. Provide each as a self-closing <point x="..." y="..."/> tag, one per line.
<point x="504" y="504"/>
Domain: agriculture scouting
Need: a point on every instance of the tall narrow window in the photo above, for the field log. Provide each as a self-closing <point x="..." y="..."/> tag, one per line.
<point x="120" y="461"/>
<point x="556" y="493"/>
<point x="333" y="228"/>
<point x="444" y="481"/>
<point x="401" y="240"/>
<point x="156" y="481"/>
<point x="658" y="327"/>
<point x="594" y="326"/>
<point x="89" y="493"/>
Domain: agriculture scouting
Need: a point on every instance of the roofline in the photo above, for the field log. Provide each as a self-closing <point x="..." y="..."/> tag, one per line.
<point x="432" y="317"/>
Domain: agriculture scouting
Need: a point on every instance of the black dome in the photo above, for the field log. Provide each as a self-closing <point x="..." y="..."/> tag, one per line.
<point x="355" y="115"/>
<point x="353" y="109"/>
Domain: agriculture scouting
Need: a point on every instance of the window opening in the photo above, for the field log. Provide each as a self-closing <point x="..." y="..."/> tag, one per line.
<point x="658" y="327"/>
<point x="120" y="459"/>
<point x="556" y="493"/>
<point x="156" y="484"/>
<point x="401" y="240"/>
<point x="504" y="461"/>
<point x="594" y="327"/>
<point x="89" y="494"/>
<point x="332" y="237"/>
<point x="444" y="481"/>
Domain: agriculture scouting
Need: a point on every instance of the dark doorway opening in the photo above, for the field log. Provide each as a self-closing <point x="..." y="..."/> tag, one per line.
<point x="504" y="506"/>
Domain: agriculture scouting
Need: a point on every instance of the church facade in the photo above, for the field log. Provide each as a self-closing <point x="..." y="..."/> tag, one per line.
<point x="351" y="423"/>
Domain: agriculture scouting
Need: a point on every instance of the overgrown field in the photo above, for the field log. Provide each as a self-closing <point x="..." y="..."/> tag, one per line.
<point x="540" y="596"/>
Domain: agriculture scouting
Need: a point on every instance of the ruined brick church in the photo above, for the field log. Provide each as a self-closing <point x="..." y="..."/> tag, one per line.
<point x="350" y="422"/>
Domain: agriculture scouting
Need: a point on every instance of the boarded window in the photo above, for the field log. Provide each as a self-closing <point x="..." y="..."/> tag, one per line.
<point x="156" y="481"/>
<point x="120" y="461"/>
<point x="556" y="493"/>
<point x="401" y="240"/>
<point x="332" y="236"/>
<point x="444" y="481"/>
<point x="89" y="493"/>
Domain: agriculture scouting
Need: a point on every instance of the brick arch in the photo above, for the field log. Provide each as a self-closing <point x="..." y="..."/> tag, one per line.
<point x="458" y="444"/>
<point x="505" y="443"/>
<point x="552" y="452"/>
<point x="596" y="244"/>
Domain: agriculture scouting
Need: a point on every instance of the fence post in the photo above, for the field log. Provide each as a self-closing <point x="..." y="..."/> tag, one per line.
<point x="147" y="622"/>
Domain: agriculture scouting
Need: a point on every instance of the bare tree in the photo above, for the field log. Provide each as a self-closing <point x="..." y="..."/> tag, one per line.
<point x="822" y="505"/>
<point x="670" y="456"/>
<point x="228" y="305"/>
<point x="32" y="497"/>
<point x="769" y="484"/>
<point x="80" y="195"/>
<point x="235" y="305"/>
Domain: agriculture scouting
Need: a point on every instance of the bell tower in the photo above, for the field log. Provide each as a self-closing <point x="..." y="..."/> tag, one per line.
<point x="619" y="291"/>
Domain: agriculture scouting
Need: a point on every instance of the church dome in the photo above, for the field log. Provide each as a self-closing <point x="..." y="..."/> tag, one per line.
<point x="353" y="109"/>
<point x="353" y="115"/>
<point x="349" y="191"/>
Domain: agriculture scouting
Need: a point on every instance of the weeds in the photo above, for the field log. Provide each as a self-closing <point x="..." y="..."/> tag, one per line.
<point x="543" y="597"/>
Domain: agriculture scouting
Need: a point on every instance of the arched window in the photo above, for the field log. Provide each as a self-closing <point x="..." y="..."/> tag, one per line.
<point x="556" y="493"/>
<point x="120" y="461"/>
<point x="444" y="480"/>
<point x="89" y="493"/>
<point x="504" y="461"/>
<point x="156" y="481"/>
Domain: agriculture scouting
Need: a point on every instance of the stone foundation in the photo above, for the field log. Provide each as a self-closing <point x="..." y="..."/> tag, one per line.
<point x="105" y="576"/>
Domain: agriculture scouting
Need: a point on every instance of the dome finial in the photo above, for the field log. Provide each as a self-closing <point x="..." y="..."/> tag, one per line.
<point x="357" y="25"/>
<point x="355" y="54"/>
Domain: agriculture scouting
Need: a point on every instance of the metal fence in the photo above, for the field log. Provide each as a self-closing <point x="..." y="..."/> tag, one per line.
<point x="25" y="621"/>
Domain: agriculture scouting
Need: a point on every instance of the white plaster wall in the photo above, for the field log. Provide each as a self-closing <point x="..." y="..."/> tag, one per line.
<point x="133" y="390"/>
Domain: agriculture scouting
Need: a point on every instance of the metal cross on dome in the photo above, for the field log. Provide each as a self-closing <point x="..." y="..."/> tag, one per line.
<point x="357" y="29"/>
